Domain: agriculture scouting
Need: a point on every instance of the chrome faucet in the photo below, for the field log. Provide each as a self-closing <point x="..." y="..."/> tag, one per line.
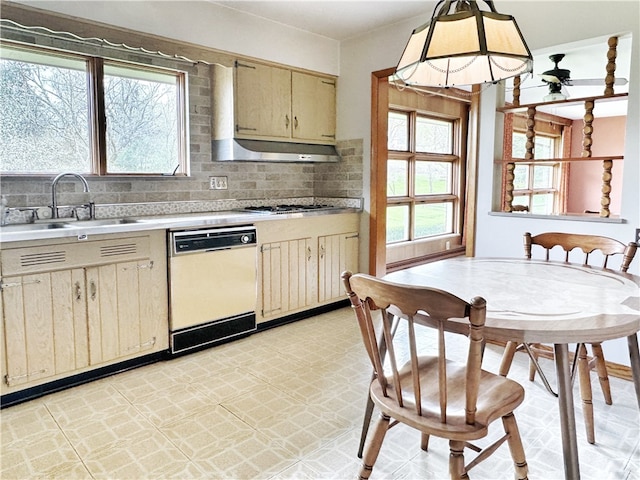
<point x="54" y="188"/>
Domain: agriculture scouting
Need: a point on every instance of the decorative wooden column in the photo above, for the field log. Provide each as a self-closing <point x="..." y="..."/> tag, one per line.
<point x="509" y="176"/>
<point x="508" y="187"/>
<point x="516" y="91"/>
<point x="587" y="129"/>
<point x="531" y="123"/>
<point x="605" y="201"/>
<point x="610" y="79"/>
<point x="607" y="165"/>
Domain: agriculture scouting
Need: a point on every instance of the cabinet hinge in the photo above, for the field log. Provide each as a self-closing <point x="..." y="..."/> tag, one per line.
<point x="238" y="64"/>
<point x="8" y="380"/>
<point x="141" y="346"/>
<point x="140" y="267"/>
<point x="4" y="285"/>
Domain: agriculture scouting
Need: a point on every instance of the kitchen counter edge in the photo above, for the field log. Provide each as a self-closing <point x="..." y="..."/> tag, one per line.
<point x="83" y="229"/>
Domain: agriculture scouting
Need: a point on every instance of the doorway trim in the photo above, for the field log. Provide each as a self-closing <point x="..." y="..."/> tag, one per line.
<point x="378" y="181"/>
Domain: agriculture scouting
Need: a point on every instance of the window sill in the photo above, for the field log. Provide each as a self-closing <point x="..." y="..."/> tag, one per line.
<point x="577" y="217"/>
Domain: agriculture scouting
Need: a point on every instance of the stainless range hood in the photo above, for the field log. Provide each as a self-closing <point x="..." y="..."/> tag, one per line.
<point x="224" y="145"/>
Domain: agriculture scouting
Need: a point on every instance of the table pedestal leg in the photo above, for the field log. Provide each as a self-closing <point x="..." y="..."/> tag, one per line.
<point x="634" y="357"/>
<point x="567" y="414"/>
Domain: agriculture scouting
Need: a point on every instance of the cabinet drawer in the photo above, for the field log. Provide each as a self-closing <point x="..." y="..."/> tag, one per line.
<point x="64" y="256"/>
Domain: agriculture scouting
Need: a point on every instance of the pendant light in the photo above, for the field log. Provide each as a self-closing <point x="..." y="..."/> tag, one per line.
<point x="466" y="47"/>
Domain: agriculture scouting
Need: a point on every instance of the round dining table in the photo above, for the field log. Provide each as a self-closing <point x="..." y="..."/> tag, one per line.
<point x="532" y="301"/>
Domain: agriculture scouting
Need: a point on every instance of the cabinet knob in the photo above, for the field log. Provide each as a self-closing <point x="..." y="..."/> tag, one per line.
<point x="286" y="121"/>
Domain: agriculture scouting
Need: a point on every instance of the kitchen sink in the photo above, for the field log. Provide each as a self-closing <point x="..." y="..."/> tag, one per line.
<point x="25" y="227"/>
<point x="103" y="222"/>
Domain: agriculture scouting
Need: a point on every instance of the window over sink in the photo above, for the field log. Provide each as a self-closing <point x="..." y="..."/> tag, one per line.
<point x="64" y="111"/>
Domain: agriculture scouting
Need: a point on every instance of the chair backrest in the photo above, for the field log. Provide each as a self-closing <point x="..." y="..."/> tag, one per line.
<point x="587" y="243"/>
<point x="371" y="297"/>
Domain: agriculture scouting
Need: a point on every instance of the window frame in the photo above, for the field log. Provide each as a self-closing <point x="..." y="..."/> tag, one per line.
<point x="412" y="157"/>
<point x="531" y="191"/>
<point x="94" y="70"/>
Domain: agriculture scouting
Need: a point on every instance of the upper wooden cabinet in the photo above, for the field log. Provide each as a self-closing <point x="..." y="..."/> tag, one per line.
<point x="313" y="103"/>
<point x="273" y="103"/>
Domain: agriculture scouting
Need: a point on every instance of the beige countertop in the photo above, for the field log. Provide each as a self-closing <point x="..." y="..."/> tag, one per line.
<point x="83" y="228"/>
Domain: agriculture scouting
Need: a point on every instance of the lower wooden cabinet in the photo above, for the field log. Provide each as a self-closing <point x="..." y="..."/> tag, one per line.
<point x="336" y="253"/>
<point x="287" y="276"/>
<point x="301" y="261"/>
<point x="70" y="306"/>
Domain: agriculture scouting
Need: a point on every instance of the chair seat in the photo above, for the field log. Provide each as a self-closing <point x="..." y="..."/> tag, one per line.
<point x="497" y="396"/>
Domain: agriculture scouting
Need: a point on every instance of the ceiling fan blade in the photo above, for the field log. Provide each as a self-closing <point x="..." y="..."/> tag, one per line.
<point x="587" y="82"/>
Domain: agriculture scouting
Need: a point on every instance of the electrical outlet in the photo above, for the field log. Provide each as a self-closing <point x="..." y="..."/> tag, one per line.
<point x="218" y="183"/>
<point x="638" y="236"/>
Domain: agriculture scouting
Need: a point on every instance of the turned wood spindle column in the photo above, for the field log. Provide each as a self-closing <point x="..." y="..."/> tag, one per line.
<point x="605" y="201"/>
<point x="587" y="129"/>
<point x="508" y="187"/>
<point x="516" y="91"/>
<point x="610" y="79"/>
<point x="530" y="134"/>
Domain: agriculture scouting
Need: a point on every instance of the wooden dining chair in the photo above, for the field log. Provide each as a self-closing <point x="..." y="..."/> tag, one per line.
<point x="427" y="390"/>
<point x="588" y="244"/>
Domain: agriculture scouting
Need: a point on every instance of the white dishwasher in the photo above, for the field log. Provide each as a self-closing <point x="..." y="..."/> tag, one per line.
<point x="212" y="286"/>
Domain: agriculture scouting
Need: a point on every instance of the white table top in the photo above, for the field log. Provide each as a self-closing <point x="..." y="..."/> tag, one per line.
<point x="538" y="301"/>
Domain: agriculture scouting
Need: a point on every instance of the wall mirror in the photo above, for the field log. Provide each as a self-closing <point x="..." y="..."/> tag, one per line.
<point x="562" y="154"/>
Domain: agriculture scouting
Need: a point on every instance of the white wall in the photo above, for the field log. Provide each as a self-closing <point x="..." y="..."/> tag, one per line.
<point x="214" y="26"/>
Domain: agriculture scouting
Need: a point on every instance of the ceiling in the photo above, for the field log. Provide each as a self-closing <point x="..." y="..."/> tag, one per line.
<point x="336" y="19"/>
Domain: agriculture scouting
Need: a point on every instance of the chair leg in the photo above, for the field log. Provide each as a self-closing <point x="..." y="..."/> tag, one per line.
<point x="424" y="442"/>
<point x="532" y="363"/>
<point x="603" y="375"/>
<point x="368" y="412"/>
<point x="585" y="392"/>
<point x="373" y="446"/>
<point x="515" y="446"/>
<point x="507" y="358"/>
<point x="456" y="460"/>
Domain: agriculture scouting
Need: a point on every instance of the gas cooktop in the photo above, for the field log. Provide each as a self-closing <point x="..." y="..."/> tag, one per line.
<point x="286" y="208"/>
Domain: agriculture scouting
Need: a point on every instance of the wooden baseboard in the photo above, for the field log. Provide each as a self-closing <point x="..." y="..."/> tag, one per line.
<point x="614" y="369"/>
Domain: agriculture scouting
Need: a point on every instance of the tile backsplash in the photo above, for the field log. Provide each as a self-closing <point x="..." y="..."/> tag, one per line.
<point x="248" y="183"/>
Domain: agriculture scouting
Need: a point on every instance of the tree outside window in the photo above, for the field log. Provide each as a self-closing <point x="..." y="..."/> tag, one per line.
<point x="50" y="103"/>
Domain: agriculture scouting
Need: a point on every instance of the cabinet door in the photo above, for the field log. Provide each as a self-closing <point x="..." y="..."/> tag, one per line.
<point x="313" y="107"/>
<point x="263" y="101"/>
<point x="286" y="276"/>
<point x="120" y="305"/>
<point x="336" y="253"/>
<point x="45" y="325"/>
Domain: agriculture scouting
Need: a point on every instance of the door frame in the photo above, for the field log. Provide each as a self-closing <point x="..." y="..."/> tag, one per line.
<point x="378" y="181"/>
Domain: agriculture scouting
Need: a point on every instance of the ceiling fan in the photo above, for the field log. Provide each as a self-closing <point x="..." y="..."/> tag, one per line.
<point x="557" y="79"/>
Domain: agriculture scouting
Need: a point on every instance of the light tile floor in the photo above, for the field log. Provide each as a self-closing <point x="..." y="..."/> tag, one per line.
<point x="286" y="403"/>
